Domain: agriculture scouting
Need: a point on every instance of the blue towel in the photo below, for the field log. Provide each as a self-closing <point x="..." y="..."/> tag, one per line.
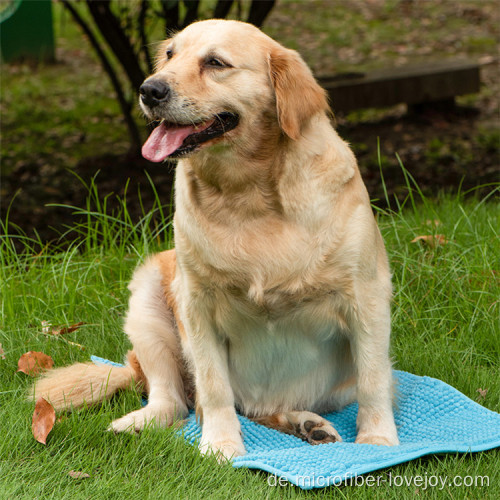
<point x="431" y="416"/>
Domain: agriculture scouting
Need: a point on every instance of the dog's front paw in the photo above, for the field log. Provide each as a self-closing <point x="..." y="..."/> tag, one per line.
<point x="387" y="440"/>
<point x="223" y="449"/>
<point x="376" y="428"/>
<point x="136" y="421"/>
<point x="221" y="435"/>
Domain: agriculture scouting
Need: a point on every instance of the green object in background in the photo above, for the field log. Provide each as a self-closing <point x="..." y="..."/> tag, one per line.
<point x="26" y="30"/>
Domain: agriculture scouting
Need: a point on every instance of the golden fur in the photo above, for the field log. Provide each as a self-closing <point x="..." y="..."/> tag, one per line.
<point x="276" y="298"/>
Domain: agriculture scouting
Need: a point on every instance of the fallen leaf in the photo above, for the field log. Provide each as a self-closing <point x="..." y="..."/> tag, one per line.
<point x="43" y="420"/>
<point x="2" y="352"/>
<point x="432" y="240"/>
<point x="482" y="393"/>
<point x="78" y="474"/>
<point x="66" y="329"/>
<point x="435" y="222"/>
<point x="32" y="363"/>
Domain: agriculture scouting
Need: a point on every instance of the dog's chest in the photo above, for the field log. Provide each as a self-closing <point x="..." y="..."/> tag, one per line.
<point x="282" y="351"/>
<point x="314" y="312"/>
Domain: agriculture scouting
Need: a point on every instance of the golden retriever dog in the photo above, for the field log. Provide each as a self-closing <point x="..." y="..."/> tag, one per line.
<point x="276" y="300"/>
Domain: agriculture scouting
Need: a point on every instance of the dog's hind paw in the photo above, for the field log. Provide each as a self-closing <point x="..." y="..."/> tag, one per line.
<point x="318" y="431"/>
<point x="305" y="425"/>
<point x="138" y="420"/>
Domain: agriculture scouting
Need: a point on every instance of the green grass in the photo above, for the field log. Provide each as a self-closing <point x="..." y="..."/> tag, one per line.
<point x="445" y="325"/>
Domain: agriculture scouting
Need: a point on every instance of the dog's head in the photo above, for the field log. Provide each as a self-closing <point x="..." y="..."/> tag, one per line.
<point x="218" y="82"/>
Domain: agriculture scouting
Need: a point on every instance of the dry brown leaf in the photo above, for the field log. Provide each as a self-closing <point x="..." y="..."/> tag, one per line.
<point x="2" y="352"/>
<point x="432" y="240"/>
<point x="66" y="329"/>
<point x="482" y="393"/>
<point x="78" y="474"/>
<point x="43" y="420"/>
<point x="434" y="222"/>
<point x="32" y="363"/>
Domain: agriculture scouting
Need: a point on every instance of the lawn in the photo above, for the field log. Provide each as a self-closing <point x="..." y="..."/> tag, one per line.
<point x="445" y="325"/>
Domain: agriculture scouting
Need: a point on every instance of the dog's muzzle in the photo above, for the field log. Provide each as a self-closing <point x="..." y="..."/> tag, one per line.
<point x="172" y="138"/>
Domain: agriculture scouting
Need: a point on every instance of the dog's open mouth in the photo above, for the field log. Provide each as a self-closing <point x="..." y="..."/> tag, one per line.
<point x="171" y="140"/>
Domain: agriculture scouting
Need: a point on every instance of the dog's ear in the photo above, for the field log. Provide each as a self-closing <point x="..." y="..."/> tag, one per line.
<point x="298" y="95"/>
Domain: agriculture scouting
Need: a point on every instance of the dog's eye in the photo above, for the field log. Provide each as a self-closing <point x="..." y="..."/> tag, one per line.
<point x="169" y="53"/>
<point x="213" y="62"/>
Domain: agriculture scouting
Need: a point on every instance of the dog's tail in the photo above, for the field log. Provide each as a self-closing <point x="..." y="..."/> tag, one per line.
<point x="85" y="384"/>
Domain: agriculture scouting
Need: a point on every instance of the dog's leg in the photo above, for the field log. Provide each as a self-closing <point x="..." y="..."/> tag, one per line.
<point x="306" y="425"/>
<point x="370" y="349"/>
<point x="221" y="434"/>
<point x="151" y="327"/>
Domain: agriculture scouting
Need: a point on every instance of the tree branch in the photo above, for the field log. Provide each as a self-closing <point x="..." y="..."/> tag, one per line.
<point x="191" y="13"/>
<point x="222" y="8"/>
<point x="125" y="106"/>
<point x="141" y="21"/>
<point x="110" y="28"/>
<point x="259" y="9"/>
<point x="171" y="15"/>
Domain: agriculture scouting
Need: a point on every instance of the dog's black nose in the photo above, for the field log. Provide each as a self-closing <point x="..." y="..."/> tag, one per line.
<point x="154" y="92"/>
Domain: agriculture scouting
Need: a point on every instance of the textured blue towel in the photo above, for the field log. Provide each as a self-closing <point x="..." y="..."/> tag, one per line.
<point x="431" y="416"/>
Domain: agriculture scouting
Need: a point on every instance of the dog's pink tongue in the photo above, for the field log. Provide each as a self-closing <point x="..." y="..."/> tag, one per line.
<point x="164" y="140"/>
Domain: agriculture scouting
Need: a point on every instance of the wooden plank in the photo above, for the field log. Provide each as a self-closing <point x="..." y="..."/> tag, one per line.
<point x="412" y="85"/>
